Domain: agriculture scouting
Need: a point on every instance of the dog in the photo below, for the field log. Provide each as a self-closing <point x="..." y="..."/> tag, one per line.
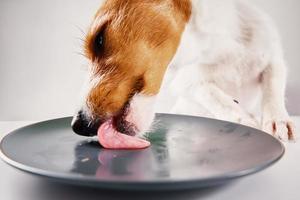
<point x="219" y="59"/>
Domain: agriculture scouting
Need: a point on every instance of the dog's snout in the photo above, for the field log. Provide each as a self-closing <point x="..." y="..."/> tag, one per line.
<point x="82" y="126"/>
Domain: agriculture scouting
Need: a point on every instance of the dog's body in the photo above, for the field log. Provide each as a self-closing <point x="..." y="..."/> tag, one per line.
<point x="228" y="62"/>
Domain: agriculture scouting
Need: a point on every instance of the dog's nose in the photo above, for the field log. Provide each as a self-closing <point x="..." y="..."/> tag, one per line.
<point x="84" y="127"/>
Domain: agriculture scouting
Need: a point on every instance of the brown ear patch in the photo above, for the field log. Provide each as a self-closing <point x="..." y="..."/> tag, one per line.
<point x="184" y="7"/>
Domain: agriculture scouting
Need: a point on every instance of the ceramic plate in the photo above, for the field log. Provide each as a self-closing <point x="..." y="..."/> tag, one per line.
<point x="186" y="152"/>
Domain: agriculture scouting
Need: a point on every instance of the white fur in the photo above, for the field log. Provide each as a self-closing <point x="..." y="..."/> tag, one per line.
<point x="214" y="66"/>
<point x="141" y="112"/>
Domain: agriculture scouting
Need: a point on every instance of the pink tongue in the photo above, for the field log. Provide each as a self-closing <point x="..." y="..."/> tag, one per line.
<point x="111" y="139"/>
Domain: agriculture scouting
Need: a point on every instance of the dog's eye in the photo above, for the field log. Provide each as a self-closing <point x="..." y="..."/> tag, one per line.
<point x="99" y="41"/>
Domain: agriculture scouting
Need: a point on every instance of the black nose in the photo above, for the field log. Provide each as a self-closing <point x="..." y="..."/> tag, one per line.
<point x="82" y="126"/>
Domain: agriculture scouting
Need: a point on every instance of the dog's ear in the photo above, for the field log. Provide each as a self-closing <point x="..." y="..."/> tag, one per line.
<point x="185" y="8"/>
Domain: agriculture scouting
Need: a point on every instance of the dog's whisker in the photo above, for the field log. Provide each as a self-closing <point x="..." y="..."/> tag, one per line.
<point x="80" y="53"/>
<point x="81" y="30"/>
<point x="90" y="123"/>
<point x="80" y="39"/>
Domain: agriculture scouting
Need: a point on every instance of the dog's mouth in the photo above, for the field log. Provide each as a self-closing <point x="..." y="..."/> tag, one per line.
<point x="118" y="133"/>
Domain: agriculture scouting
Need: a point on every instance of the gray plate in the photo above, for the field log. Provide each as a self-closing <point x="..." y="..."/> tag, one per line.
<point x="186" y="152"/>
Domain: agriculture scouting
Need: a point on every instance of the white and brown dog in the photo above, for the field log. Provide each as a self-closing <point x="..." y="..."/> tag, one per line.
<point x="219" y="59"/>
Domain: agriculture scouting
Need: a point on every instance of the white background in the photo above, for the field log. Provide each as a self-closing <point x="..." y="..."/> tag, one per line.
<point x="41" y="69"/>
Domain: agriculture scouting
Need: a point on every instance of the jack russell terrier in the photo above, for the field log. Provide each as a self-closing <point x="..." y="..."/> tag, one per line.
<point x="220" y="59"/>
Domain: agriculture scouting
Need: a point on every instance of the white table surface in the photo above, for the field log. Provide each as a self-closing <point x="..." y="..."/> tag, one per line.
<point x="279" y="182"/>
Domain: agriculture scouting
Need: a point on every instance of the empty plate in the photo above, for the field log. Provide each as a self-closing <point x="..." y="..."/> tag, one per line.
<point x="185" y="152"/>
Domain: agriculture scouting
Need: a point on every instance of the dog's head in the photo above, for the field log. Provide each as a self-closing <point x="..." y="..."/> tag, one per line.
<point x="129" y="46"/>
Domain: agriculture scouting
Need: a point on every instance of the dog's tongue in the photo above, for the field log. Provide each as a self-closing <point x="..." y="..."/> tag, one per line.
<point x="112" y="139"/>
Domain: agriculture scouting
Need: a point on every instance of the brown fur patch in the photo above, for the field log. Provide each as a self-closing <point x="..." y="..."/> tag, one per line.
<point x="140" y="39"/>
<point x="184" y="7"/>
